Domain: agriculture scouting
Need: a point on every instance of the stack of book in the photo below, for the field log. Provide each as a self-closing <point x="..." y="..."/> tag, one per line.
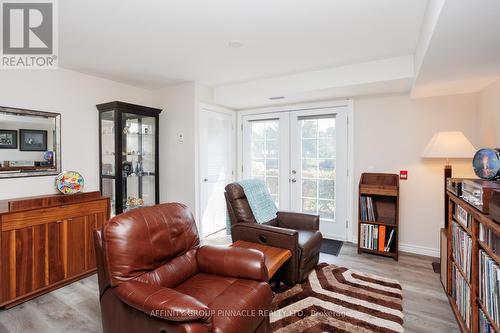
<point x="368" y="212"/>
<point x="377" y="237"/>
<point x="489" y="285"/>
<point x="461" y="294"/>
<point x="462" y="216"/>
<point x="462" y="249"/>
<point x="488" y="237"/>
<point x="484" y="324"/>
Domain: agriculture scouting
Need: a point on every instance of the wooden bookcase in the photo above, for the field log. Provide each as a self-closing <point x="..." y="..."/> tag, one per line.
<point x="383" y="189"/>
<point x="477" y="219"/>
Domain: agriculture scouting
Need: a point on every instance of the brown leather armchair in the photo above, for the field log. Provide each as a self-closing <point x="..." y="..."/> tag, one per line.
<point x="154" y="277"/>
<point x="294" y="231"/>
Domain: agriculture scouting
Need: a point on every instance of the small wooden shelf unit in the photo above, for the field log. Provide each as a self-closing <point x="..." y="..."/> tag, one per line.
<point x="477" y="219"/>
<point x="383" y="189"/>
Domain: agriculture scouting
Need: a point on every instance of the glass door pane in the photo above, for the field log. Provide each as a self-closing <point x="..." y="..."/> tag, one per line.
<point x="108" y="143"/>
<point x="317" y="145"/>
<point x="108" y="157"/>
<point x="138" y="160"/>
<point x="265" y="154"/>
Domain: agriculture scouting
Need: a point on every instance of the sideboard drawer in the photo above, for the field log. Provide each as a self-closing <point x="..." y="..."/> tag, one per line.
<point x="31" y="218"/>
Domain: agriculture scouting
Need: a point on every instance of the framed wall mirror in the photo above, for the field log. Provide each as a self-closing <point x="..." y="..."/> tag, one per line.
<point x="30" y="143"/>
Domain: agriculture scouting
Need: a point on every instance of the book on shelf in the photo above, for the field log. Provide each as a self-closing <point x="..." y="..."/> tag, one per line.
<point x="460" y="292"/>
<point x="488" y="237"/>
<point x="375" y="237"/>
<point x="463" y="216"/>
<point x="484" y="324"/>
<point x="489" y="286"/>
<point x="368" y="210"/>
<point x="392" y="237"/>
<point x="381" y="238"/>
<point x="462" y="249"/>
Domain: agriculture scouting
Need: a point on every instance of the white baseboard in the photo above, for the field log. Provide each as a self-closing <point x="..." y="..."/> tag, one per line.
<point x="333" y="237"/>
<point x="422" y="250"/>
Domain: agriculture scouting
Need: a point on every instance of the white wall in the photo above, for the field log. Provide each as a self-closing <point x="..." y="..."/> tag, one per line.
<point x="489" y="105"/>
<point x="177" y="159"/>
<point x="75" y="96"/>
<point x="390" y="134"/>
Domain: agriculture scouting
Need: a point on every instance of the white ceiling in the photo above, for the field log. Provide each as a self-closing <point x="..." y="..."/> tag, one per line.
<point x="300" y="49"/>
<point x="153" y="43"/>
<point x="388" y="75"/>
<point x="463" y="54"/>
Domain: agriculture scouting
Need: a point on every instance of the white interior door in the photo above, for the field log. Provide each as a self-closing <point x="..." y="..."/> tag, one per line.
<point x="302" y="157"/>
<point x="216" y="142"/>
<point x="318" y="161"/>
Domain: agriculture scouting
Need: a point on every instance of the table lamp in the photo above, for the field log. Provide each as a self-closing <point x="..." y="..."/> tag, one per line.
<point x="448" y="145"/>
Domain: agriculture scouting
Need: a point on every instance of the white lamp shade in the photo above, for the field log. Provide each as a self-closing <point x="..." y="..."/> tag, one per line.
<point x="449" y="145"/>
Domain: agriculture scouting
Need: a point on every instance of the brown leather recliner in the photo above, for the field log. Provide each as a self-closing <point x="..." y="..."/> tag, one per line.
<point x="294" y="231"/>
<point x="154" y="277"/>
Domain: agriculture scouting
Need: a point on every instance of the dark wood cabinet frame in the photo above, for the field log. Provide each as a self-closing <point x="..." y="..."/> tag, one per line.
<point x="119" y="108"/>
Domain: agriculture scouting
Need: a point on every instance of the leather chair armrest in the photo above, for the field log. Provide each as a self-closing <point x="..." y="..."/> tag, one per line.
<point x="164" y="303"/>
<point x="233" y="262"/>
<point x="301" y="221"/>
<point x="256" y="227"/>
<point x="267" y="235"/>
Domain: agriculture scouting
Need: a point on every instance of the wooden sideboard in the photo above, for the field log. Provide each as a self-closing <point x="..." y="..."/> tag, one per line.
<point x="46" y="242"/>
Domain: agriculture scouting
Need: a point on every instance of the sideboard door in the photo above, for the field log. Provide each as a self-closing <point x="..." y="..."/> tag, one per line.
<point x="31" y="259"/>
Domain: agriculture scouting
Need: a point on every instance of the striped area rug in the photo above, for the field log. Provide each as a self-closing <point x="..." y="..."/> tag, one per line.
<point x="337" y="299"/>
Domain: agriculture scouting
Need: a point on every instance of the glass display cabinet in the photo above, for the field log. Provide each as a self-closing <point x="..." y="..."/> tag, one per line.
<point x="128" y="155"/>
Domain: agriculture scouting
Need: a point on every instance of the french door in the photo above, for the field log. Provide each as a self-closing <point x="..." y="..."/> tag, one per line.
<point x="302" y="157"/>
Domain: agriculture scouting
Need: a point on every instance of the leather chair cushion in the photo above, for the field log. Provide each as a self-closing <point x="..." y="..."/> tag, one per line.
<point x="137" y="241"/>
<point x="173" y="272"/>
<point x="239" y="203"/>
<point x="235" y="191"/>
<point x="233" y="300"/>
<point x="309" y="244"/>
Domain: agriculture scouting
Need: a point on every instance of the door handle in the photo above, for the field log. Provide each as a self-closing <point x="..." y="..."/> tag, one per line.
<point x="205" y="180"/>
<point x="294" y="180"/>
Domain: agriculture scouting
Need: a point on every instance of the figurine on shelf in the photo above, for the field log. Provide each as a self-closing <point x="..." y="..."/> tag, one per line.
<point x="134" y="202"/>
<point x="127" y="168"/>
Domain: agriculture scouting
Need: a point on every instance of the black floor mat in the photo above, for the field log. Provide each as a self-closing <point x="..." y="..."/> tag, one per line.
<point x="436" y="266"/>
<point x="331" y="246"/>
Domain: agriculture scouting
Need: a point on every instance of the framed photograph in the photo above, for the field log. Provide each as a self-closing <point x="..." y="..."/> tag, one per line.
<point x="33" y="140"/>
<point x="8" y="139"/>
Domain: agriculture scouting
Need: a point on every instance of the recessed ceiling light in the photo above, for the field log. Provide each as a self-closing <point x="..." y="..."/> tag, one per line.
<point x="235" y="44"/>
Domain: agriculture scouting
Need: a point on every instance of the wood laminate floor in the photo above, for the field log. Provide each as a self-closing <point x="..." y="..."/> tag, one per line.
<point x="75" y="308"/>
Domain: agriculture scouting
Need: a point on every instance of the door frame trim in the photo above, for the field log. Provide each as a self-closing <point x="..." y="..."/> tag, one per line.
<point x="219" y="109"/>
<point x="349" y="105"/>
